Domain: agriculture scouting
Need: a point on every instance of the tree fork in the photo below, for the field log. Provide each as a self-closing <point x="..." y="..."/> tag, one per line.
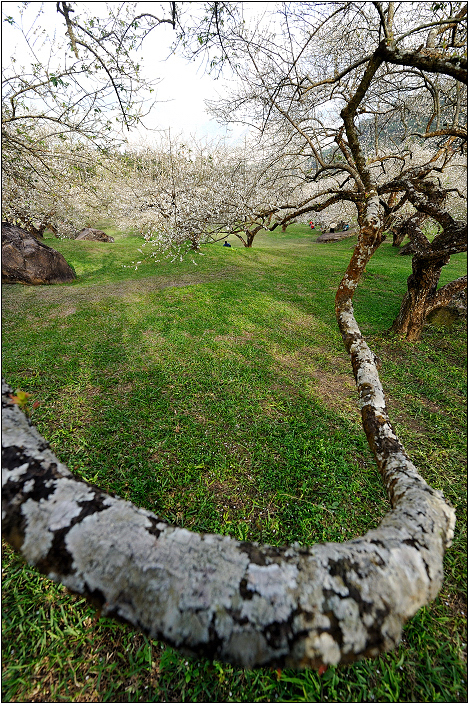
<point x="422" y="297"/>
<point x="421" y="289"/>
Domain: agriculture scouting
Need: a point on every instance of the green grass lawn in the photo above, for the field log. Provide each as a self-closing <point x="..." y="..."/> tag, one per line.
<point x="219" y="395"/>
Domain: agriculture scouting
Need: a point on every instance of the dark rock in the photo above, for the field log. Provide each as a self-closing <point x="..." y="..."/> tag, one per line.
<point x="336" y="236"/>
<point x="89" y="233"/>
<point x="25" y="260"/>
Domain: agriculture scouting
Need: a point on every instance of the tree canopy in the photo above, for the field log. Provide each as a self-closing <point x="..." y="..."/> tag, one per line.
<point x="344" y="88"/>
<point x="374" y="96"/>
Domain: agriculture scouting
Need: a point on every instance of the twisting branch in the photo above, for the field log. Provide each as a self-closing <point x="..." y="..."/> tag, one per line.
<point x="216" y="597"/>
<point x="426" y="60"/>
<point x="383" y="23"/>
<point x="65" y="10"/>
<point x="444" y="294"/>
<point x="441" y="29"/>
<point x="348" y="115"/>
<point x="253" y="605"/>
<point x="455" y="131"/>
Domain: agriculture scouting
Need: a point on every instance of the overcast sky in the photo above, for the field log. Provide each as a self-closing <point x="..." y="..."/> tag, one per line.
<point x="182" y="91"/>
<point x="184" y="86"/>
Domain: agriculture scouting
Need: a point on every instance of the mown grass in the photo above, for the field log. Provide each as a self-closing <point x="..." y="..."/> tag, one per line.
<point x="219" y="396"/>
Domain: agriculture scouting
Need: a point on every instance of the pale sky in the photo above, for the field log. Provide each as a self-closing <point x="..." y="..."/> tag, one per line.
<point x="184" y="86"/>
<point x="182" y="91"/>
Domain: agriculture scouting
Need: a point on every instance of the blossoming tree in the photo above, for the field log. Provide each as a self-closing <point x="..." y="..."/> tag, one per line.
<point x="376" y="98"/>
<point x="238" y="601"/>
<point x="181" y="195"/>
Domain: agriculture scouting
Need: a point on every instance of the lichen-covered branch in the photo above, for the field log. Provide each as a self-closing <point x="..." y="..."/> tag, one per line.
<point x="213" y="596"/>
<point x="425" y="60"/>
<point x="370" y="238"/>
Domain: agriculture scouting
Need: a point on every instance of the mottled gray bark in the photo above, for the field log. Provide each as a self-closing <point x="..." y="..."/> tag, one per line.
<point x="425" y="60"/>
<point x="213" y="596"/>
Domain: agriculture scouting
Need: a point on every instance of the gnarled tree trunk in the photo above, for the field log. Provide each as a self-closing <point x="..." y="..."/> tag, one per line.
<point x="422" y="298"/>
<point x="53" y="229"/>
<point x="37" y="232"/>
<point x="422" y="294"/>
<point x="422" y="287"/>
<point x="249" y="604"/>
<point x="249" y="236"/>
<point x="405" y="227"/>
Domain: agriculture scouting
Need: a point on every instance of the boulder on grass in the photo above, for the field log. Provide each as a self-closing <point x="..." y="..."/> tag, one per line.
<point x="25" y="260"/>
<point x="90" y="233"/>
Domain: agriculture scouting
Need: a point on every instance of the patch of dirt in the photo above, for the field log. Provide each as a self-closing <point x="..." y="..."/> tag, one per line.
<point x="238" y="339"/>
<point x="64" y="296"/>
<point x="310" y="322"/>
<point x="81" y="680"/>
<point x="74" y="404"/>
<point x="240" y="453"/>
<point x="456" y="602"/>
<point x="232" y="498"/>
<point x="124" y="388"/>
<point x="271" y="406"/>
<point x="408" y="422"/>
<point x="431" y="405"/>
<point x="399" y="412"/>
<point x="336" y="388"/>
<point x="64" y="312"/>
<point x="227" y="496"/>
<point x="153" y="336"/>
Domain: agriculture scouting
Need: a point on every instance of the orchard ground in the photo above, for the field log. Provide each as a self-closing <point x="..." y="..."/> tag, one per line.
<point x="219" y="395"/>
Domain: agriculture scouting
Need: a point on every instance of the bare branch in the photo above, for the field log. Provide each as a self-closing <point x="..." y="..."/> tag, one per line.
<point x="426" y="60"/>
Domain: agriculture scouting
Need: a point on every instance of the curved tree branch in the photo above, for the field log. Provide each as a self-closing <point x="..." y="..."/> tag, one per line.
<point x="216" y="597"/>
<point x="444" y="294"/>
<point x="456" y="131"/>
<point x="426" y="60"/>
<point x="348" y="114"/>
<point x="250" y="604"/>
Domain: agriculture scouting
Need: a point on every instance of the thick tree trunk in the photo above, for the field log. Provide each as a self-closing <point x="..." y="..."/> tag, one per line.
<point x="250" y="238"/>
<point x="53" y="229"/>
<point x="37" y="232"/>
<point x="422" y="296"/>
<point x="250" y="234"/>
<point x="398" y="237"/>
<point x="407" y="228"/>
<point x="252" y="605"/>
<point x="240" y="237"/>
<point x="421" y="289"/>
